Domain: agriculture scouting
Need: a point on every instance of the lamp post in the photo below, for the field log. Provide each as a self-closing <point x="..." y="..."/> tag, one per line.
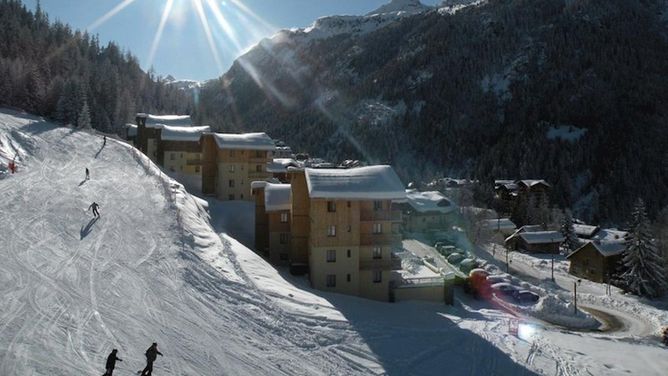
<point x="553" y="267"/>
<point x="575" y="296"/>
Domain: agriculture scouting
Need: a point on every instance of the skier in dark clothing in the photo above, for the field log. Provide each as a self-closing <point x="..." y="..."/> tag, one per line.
<point x="111" y="362"/>
<point x="87" y="174"/>
<point x="94" y="206"/>
<point x="105" y="141"/>
<point x="151" y="354"/>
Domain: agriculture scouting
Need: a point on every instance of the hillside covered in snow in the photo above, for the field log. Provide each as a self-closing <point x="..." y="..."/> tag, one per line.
<point x="472" y="89"/>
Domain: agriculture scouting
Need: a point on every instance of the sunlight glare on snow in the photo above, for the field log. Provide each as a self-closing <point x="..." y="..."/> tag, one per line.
<point x="526" y="332"/>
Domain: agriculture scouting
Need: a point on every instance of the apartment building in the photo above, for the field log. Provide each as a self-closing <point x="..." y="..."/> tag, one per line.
<point x="343" y="224"/>
<point x="272" y="220"/>
<point x="149" y="128"/>
<point x="230" y="162"/>
<point x="180" y="153"/>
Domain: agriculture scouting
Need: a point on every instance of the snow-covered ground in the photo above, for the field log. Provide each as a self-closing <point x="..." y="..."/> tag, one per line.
<point x="152" y="268"/>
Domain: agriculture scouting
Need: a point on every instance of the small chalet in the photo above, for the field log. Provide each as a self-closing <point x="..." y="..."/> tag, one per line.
<point x="503" y="226"/>
<point x="426" y="211"/>
<point x="596" y="260"/>
<point x="585" y="232"/>
<point x="530" y="239"/>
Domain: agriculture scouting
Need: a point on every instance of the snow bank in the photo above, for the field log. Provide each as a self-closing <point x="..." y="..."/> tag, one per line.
<point x="553" y="309"/>
<point x="362" y="183"/>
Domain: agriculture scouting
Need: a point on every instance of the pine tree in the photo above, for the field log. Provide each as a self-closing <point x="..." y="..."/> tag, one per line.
<point x="642" y="267"/>
<point x="571" y="241"/>
<point x="84" y="117"/>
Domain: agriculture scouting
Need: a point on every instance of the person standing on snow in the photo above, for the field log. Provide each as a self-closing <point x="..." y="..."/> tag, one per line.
<point x="87" y="174"/>
<point x="94" y="206"/>
<point x="104" y="141"/>
<point x="151" y="354"/>
<point x="111" y="362"/>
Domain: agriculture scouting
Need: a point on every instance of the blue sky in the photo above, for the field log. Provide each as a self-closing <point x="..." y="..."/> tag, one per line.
<point x="184" y="50"/>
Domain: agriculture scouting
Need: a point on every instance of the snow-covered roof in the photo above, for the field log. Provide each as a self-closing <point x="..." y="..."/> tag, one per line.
<point x="131" y="129"/>
<point x="542" y="237"/>
<point x="277" y="197"/>
<point x="158" y="121"/>
<point x="610" y="235"/>
<point x="530" y="228"/>
<point x="281" y="165"/>
<point x="606" y="249"/>
<point x="585" y="230"/>
<point x="429" y="202"/>
<point x="533" y="182"/>
<point x="246" y="141"/>
<point x="500" y="224"/>
<point x="361" y="183"/>
<point x="191" y="134"/>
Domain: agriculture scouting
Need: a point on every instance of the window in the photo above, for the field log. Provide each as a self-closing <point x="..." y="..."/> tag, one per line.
<point x="377" y="252"/>
<point x="377" y="205"/>
<point x="331" y="206"/>
<point x="172" y="156"/>
<point x="231" y="169"/>
<point x="230" y="197"/>
<point x="377" y="276"/>
<point x="258" y="168"/>
<point x="331" y="231"/>
<point x="377" y="228"/>
<point x="331" y="280"/>
<point x="348" y="277"/>
<point x="331" y="255"/>
<point x="285" y="237"/>
<point x="284" y="217"/>
<point x="348" y="253"/>
<point x="231" y="183"/>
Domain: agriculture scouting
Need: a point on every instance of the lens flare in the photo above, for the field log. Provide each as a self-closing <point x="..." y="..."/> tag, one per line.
<point x="100" y="21"/>
<point x="158" y="35"/>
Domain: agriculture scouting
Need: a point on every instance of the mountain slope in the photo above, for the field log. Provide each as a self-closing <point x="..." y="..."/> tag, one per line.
<point x="473" y="90"/>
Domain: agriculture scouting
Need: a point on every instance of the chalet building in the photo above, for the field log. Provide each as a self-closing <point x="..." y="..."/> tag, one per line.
<point x="272" y="220"/>
<point x="585" y="232"/>
<point x="180" y="153"/>
<point x="230" y="162"/>
<point x="532" y="239"/>
<point x="503" y="226"/>
<point x="596" y="260"/>
<point x="278" y="167"/>
<point x="508" y="192"/>
<point x="149" y="128"/>
<point x="344" y="226"/>
<point x="424" y="211"/>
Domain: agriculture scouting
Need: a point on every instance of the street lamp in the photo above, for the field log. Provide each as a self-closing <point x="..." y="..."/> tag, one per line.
<point x="575" y="296"/>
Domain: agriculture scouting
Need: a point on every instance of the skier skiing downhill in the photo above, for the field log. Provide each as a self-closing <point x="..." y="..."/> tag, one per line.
<point x="87" y="174"/>
<point x="94" y="206"/>
<point x="151" y="354"/>
<point x="111" y="363"/>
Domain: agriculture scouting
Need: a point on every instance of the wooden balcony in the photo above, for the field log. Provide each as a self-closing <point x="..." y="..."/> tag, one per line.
<point x="380" y="239"/>
<point x="393" y="263"/>
<point x="380" y="215"/>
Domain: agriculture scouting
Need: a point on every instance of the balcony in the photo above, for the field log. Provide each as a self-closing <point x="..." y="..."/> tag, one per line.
<point x="393" y="263"/>
<point x="380" y="215"/>
<point x="380" y="239"/>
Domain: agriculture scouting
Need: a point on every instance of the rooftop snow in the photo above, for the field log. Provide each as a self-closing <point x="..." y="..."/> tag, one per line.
<point x="361" y="183"/>
<point x="191" y="134"/>
<point x="429" y="202"/>
<point x="157" y="121"/>
<point x="610" y="235"/>
<point x="282" y="164"/>
<point x="542" y="237"/>
<point x="500" y="224"/>
<point x="247" y="141"/>
<point x="131" y="129"/>
<point x="606" y="249"/>
<point x="277" y="197"/>
<point x="585" y="230"/>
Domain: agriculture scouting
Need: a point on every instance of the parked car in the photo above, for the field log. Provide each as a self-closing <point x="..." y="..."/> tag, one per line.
<point x="505" y="289"/>
<point x="455" y="258"/>
<point x="526" y="296"/>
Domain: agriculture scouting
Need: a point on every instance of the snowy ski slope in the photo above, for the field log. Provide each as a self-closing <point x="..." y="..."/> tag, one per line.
<point x="153" y="269"/>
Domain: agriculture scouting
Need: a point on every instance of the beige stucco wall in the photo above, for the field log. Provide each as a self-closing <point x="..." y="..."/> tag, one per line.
<point x="241" y="167"/>
<point x="372" y="290"/>
<point x="177" y="161"/>
<point x="427" y="293"/>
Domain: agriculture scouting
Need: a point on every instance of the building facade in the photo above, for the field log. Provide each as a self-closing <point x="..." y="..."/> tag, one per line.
<point x="230" y="162"/>
<point x="596" y="261"/>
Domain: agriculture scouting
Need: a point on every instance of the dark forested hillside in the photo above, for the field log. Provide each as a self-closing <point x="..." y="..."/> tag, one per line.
<point x="574" y="91"/>
<point x="48" y="69"/>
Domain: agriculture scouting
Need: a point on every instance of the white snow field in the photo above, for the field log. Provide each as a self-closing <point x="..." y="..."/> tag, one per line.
<point x="152" y="268"/>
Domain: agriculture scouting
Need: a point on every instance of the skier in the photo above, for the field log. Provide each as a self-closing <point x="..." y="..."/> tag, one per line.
<point x="151" y="354"/>
<point x="105" y="141"/>
<point x="111" y="362"/>
<point x="87" y="174"/>
<point x="94" y="206"/>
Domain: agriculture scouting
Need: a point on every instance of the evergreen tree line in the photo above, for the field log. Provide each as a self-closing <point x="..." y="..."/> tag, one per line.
<point x="48" y="69"/>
